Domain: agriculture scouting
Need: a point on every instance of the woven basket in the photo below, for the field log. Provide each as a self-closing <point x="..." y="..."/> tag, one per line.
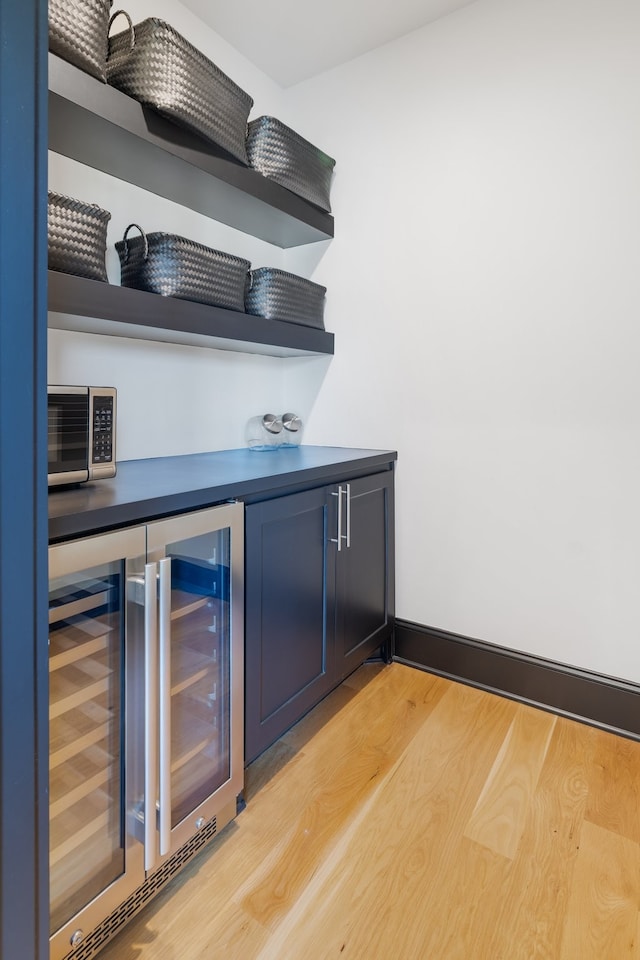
<point x="154" y="64"/>
<point x="278" y="295"/>
<point x="76" y="237"/>
<point x="176" y="267"/>
<point x="78" y="32"/>
<point x="281" y="154"/>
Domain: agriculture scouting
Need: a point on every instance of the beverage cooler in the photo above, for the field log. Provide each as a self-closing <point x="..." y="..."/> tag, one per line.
<point x="146" y="683"/>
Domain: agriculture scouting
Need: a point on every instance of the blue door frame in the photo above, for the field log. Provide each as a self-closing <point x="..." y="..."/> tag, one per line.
<point x="23" y="493"/>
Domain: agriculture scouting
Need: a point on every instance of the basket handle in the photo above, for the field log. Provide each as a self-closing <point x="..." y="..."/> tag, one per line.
<point x="126" y="245"/>
<point x="132" y="31"/>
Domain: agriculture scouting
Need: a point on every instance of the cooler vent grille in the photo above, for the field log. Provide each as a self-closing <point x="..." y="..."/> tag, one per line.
<point x="116" y="920"/>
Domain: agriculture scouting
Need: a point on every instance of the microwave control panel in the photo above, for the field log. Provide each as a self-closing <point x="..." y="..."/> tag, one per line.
<point x="102" y="451"/>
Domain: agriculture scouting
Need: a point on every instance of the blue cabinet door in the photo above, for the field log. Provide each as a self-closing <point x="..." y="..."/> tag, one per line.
<point x="364" y="572"/>
<point x="290" y="613"/>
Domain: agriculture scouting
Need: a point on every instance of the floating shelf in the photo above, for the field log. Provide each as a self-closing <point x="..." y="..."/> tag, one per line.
<point x="90" y="306"/>
<point x="104" y="128"/>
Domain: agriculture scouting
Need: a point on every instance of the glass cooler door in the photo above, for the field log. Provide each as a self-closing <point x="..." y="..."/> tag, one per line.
<point x="199" y="561"/>
<point x="89" y="847"/>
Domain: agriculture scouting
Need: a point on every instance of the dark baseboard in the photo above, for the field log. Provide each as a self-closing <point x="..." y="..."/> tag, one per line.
<point x="589" y="697"/>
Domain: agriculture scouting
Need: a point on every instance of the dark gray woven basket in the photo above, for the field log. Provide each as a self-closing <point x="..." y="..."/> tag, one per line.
<point x="153" y="63"/>
<point x="281" y="154"/>
<point x="176" y="267"/>
<point x="278" y="295"/>
<point x="76" y="237"/>
<point x="78" y="32"/>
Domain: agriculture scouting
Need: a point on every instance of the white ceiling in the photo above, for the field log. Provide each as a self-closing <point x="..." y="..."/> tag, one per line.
<point x="291" y="40"/>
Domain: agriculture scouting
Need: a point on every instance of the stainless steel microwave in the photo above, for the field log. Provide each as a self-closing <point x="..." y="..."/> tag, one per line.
<point x="81" y="434"/>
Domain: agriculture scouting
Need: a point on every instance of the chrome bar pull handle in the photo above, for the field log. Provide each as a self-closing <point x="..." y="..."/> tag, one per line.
<point x="164" y="688"/>
<point x="348" y="536"/>
<point x="339" y="538"/>
<point x="150" y="712"/>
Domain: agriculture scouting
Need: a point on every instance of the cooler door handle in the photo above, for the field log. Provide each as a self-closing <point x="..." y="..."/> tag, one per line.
<point x="164" y="676"/>
<point x="150" y="713"/>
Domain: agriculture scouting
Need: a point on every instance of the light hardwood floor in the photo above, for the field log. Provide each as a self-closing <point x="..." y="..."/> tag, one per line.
<point x="411" y="818"/>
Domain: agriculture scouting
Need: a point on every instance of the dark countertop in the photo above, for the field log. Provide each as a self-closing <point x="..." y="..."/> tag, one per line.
<point x="146" y="489"/>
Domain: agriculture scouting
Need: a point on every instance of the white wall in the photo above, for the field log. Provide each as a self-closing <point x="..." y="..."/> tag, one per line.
<point x="201" y="398"/>
<point x="485" y="295"/>
<point x="483" y="289"/>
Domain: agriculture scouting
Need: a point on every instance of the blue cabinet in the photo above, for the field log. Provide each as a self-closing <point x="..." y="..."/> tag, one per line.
<point x="320" y="597"/>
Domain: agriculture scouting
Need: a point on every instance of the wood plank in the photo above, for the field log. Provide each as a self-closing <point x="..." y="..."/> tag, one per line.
<point x="184" y="603"/>
<point x="614" y="785"/>
<point x="189" y="737"/>
<point x="73" y="827"/>
<point x="79" y="777"/>
<point x="72" y="732"/>
<point x="195" y="779"/>
<point x="602" y="914"/>
<point x="529" y="915"/>
<point x="192" y="652"/>
<point x="498" y="819"/>
<point x="79" y="683"/>
<point x="72" y="608"/>
<point x="461" y="908"/>
<point x="67" y="695"/>
<point x="65" y="649"/>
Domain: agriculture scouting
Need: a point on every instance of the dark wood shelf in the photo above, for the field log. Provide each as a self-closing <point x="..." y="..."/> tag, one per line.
<point x="109" y="131"/>
<point x="90" y="306"/>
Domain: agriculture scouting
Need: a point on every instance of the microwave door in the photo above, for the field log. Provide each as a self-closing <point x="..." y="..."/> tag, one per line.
<point x="68" y="437"/>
